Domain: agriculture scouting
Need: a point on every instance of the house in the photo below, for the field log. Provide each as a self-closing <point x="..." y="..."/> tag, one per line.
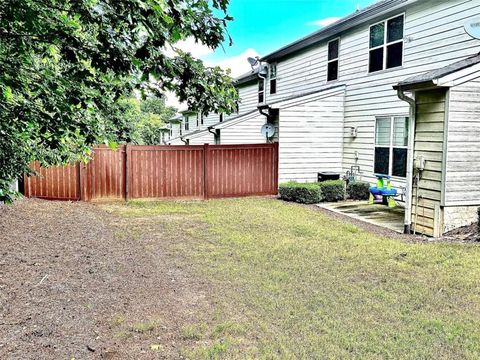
<point x="389" y="89"/>
<point x="174" y="125"/>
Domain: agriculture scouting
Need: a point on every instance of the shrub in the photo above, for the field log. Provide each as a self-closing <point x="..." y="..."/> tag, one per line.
<point x="332" y="190"/>
<point x="308" y="193"/>
<point x="358" y="190"/>
<point x="478" y="219"/>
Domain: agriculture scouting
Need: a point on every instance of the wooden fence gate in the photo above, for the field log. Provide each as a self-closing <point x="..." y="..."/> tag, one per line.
<point x="136" y="172"/>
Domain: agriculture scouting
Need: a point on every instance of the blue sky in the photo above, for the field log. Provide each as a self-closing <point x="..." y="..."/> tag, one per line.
<point x="266" y="25"/>
<point x="262" y="26"/>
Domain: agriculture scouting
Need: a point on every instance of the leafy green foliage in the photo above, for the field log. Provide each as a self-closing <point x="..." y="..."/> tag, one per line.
<point x="138" y="121"/>
<point x="308" y="193"/>
<point x="65" y="64"/>
<point x="358" y="190"/>
<point x="332" y="190"/>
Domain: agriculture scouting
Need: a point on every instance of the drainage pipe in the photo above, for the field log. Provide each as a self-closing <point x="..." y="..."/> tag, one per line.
<point x="410" y="160"/>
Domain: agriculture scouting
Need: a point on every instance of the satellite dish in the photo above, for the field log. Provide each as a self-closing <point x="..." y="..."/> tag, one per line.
<point x="252" y="61"/>
<point x="268" y="130"/>
<point x="472" y="28"/>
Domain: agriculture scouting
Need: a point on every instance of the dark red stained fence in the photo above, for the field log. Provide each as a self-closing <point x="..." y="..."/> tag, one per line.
<point x="165" y="172"/>
<point x="239" y="170"/>
<point x="136" y="172"/>
<point x="103" y="178"/>
<point x="56" y="182"/>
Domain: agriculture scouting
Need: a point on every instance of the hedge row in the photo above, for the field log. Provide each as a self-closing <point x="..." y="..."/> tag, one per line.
<point x="312" y="193"/>
<point x="358" y="190"/>
<point x="302" y="193"/>
<point x="328" y="191"/>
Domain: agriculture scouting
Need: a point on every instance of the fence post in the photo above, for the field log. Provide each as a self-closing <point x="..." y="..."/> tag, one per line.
<point x="205" y="171"/>
<point x="275" y="167"/>
<point x="127" y="183"/>
<point x="80" y="181"/>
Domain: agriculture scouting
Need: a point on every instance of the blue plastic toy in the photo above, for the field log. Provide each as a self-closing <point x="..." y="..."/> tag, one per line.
<point x="383" y="190"/>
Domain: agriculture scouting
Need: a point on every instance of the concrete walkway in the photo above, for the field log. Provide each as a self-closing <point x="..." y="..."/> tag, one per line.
<point x="376" y="214"/>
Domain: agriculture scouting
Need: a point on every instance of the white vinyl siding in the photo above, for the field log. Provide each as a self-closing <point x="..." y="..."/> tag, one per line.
<point x="245" y="132"/>
<point x="204" y="138"/>
<point x="463" y="155"/>
<point x="311" y="136"/>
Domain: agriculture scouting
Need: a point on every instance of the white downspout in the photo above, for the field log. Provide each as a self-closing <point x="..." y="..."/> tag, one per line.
<point x="410" y="160"/>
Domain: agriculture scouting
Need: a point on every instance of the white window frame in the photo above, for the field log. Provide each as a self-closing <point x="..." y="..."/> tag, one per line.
<point x="187" y="123"/>
<point x="391" y="145"/>
<point x="385" y="44"/>
<point x="264" y="91"/>
<point x="270" y="78"/>
<point x="337" y="59"/>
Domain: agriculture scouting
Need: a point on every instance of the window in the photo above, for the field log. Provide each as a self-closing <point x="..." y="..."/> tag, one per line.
<point x="273" y="78"/>
<point x="180" y="129"/>
<point x="198" y="119"/>
<point x="217" y="137"/>
<point x="333" y="53"/>
<point x="261" y="90"/>
<point x="201" y="119"/>
<point x="391" y="142"/>
<point x="386" y="44"/>
<point x="237" y="107"/>
<point x="220" y="117"/>
<point x="187" y="124"/>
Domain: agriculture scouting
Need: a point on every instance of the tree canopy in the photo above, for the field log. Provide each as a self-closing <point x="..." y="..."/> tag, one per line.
<point x="64" y="65"/>
<point x="138" y="121"/>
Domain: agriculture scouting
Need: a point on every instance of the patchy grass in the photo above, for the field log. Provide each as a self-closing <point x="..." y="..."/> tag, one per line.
<point x="143" y="327"/>
<point x="291" y="282"/>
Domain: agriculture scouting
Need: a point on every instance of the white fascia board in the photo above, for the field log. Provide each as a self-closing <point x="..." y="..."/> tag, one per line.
<point x="459" y="77"/>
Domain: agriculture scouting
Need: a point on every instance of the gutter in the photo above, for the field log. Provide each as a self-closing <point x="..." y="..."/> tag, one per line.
<point x="210" y="130"/>
<point x="411" y="141"/>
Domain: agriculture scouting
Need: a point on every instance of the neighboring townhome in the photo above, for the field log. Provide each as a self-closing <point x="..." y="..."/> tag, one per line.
<point x="241" y="127"/>
<point x="332" y="99"/>
<point x="175" y="129"/>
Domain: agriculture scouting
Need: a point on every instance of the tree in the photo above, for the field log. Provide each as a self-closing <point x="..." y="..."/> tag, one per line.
<point x="136" y="121"/>
<point x="63" y="63"/>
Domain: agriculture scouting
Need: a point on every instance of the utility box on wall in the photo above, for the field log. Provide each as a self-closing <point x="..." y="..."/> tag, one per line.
<point x="326" y="175"/>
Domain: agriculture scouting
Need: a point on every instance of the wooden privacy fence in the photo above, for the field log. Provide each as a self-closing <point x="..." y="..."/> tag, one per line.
<point x="136" y="172"/>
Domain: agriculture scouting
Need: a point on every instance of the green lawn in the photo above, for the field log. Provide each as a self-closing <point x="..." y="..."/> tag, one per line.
<point x="291" y="282"/>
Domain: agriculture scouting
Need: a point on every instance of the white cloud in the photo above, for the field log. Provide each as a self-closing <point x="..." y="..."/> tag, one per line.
<point x="325" y="22"/>
<point x="197" y="49"/>
<point x="238" y="65"/>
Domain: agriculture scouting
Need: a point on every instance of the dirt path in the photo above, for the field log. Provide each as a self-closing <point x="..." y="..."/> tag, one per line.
<point x="77" y="282"/>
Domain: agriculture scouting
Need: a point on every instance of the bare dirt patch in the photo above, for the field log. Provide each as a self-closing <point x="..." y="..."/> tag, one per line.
<point x="78" y="282"/>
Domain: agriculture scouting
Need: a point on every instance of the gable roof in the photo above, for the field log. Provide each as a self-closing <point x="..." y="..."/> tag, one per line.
<point x="175" y="119"/>
<point x="346" y="23"/>
<point x="431" y="77"/>
<point x="247" y="77"/>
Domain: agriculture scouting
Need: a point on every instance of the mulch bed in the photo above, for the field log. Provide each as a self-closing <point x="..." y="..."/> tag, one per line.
<point x="75" y="282"/>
